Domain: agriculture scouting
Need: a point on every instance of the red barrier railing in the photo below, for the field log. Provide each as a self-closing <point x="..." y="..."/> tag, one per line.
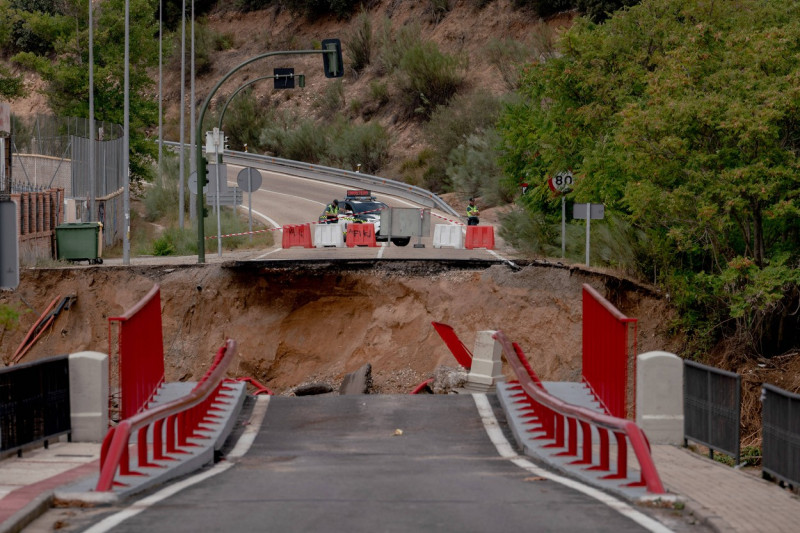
<point x="259" y="387"/>
<point x="559" y="421"/>
<point x="140" y="347"/>
<point x="457" y="348"/>
<point x="422" y="387"/>
<point x="605" y="352"/>
<point x="172" y="423"/>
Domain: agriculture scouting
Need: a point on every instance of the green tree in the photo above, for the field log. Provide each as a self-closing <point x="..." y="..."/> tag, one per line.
<point x="66" y="73"/>
<point x="681" y="116"/>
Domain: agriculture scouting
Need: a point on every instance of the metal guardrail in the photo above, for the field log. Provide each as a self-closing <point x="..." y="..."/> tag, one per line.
<point x="563" y="423"/>
<point x="712" y="408"/>
<point x="34" y="402"/>
<point x="780" y="420"/>
<point x="170" y="425"/>
<point x="337" y="176"/>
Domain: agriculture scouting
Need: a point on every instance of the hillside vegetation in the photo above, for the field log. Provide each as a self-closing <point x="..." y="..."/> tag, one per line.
<point x="680" y="116"/>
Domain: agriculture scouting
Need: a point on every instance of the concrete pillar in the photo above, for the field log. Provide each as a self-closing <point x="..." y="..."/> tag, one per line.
<point x="659" y="397"/>
<point x="487" y="364"/>
<point x="88" y="396"/>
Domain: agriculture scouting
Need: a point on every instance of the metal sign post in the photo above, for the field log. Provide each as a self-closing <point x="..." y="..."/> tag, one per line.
<point x="561" y="183"/>
<point x="421" y="221"/>
<point x="215" y="144"/>
<point x="588" y="212"/>
<point x="249" y="180"/>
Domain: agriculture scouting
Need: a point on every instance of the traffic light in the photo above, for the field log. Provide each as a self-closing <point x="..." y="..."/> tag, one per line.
<point x="202" y="174"/>
<point x="332" y="58"/>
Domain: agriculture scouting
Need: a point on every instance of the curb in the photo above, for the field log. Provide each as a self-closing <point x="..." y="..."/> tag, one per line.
<point x="33" y="510"/>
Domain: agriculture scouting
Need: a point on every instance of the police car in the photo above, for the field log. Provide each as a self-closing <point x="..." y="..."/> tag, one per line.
<point x="360" y="206"/>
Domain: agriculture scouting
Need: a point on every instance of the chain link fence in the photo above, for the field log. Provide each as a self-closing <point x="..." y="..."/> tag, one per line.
<point x="53" y="152"/>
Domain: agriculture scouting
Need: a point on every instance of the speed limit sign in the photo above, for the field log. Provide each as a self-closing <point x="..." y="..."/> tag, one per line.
<point x="561" y="182"/>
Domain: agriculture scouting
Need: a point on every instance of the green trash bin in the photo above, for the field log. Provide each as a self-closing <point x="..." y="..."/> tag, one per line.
<point x="80" y="241"/>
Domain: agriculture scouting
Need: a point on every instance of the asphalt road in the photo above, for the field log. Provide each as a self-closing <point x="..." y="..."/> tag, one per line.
<point x="284" y="199"/>
<point x="339" y="463"/>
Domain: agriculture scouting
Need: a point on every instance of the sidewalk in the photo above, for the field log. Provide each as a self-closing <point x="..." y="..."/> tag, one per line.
<point x="726" y="498"/>
<point x="27" y="483"/>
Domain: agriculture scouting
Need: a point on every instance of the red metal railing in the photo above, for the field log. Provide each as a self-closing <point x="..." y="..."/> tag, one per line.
<point x="141" y="353"/>
<point x="457" y="348"/>
<point x="605" y="352"/>
<point x="172" y="423"/>
<point x="559" y="421"/>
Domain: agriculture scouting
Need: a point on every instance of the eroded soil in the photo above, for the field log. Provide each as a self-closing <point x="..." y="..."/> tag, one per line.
<point x="298" y="323"/>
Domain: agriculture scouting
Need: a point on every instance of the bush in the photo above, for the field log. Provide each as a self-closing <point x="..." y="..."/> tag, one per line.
<point x="429" y="78"/>
<point x="304" y="142"/>
<point x="351" y="145"/>
<point x="360" y="43"/>
<point x="162" y="246"/>
<point x="450" y="126"/>
<point x="438" y="9"/>
<point x="473" y="169"/>
<point x="244" y="120"/>
<point x="393" y="45"/>
<point x="331" y="100"/>
<point x="507" y="56"/>
<point x="379" y="92"/>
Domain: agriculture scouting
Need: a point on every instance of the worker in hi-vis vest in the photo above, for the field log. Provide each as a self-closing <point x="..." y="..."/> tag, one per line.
<point x="472" y="213"/>
<point x="332" y="212"/>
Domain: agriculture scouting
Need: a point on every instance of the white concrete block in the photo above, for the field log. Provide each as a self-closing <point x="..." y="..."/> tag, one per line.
<point x="659" y="397"/>
<point x="88" y="396"/>
<point x="328" y="235"/>
<point x="448" y="235"/>
<point x="487" y="363"/>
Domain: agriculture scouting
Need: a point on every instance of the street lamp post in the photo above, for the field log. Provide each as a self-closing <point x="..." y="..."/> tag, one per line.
<point x="92" y="176"/>
<point x="332" y="61"/>
<point x="126" y="194"/>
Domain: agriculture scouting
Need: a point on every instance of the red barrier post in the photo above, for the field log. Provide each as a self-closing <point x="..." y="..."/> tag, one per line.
<point x="296" y="235"/>
<point x="141" y="353"/>
<point x="605" y="352"/>
<point x="361" y="235"/>
<point x="479" y="237"/>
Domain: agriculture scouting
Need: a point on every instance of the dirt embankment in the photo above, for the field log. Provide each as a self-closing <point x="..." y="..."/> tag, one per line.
<point x="296" y="324"/>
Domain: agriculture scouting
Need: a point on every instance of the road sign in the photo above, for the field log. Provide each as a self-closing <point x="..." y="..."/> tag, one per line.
<point x="597" y="211"/>
<point x="229" y="197"/>
<point x="588" y="212"/>
<point x="249" y="179"/>
<point x="561" y="182"/>
<point x="284" y="78"/>
<point x="193" y="184"/>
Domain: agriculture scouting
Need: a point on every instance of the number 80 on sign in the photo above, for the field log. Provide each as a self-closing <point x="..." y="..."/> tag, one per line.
<point x="561" y="182"/>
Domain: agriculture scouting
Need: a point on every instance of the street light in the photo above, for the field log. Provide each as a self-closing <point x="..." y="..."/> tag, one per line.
<point x="331" y="49"/>
<point x="286" y="76"/>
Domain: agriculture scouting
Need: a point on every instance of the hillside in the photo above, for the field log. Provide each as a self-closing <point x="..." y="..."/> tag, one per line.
<point x="465" y="31"/>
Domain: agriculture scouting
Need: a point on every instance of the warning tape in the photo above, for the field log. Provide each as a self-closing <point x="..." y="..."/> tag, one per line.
<point x="458" y="222"/>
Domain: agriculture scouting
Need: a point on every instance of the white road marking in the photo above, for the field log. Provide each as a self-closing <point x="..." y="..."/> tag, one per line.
<point x="242" y="446"/>
<point x="262" y="215"/>
<point x="505" y="450"/>
<point x="262" y="256"/>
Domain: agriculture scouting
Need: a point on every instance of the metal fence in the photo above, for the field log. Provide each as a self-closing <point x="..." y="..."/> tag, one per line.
<point x="53" y="152"/>
<point x="780" y="420"/>
<point x="712" y="408"/>
<point x="34" y="402"/>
